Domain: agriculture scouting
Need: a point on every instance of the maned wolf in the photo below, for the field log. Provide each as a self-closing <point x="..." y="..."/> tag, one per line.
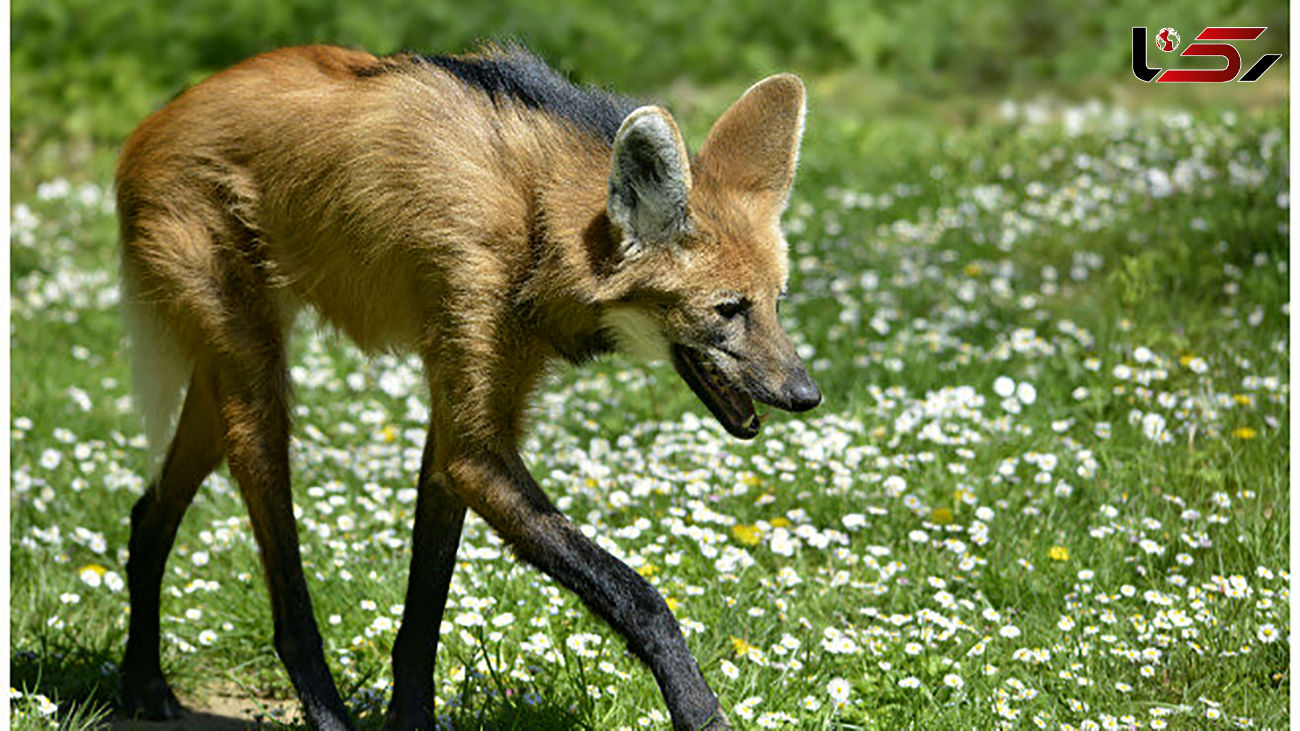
<point x="485" y="214"/>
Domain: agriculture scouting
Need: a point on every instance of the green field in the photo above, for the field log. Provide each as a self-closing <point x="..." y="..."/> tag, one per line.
<point x="1048" y="486"/>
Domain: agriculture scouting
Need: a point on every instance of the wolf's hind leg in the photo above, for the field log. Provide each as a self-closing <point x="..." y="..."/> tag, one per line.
<point x="195" y="451"/>
<point x="253" y="393"/>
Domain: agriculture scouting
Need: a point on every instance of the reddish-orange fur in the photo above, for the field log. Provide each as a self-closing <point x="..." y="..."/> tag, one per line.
<point x="415" y="213"/>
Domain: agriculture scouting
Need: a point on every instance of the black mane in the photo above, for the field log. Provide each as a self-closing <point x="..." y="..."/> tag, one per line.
<point x="516" y="73"/>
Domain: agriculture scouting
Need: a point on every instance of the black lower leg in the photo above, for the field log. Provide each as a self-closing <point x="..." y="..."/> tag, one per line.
<point x="256" y="434"/>
<point x="144" y="690"/>
<point x="439" y="517"/>
<point x="299" y="646"/>
<point x="633" y="607"/>
<point x="297" y="638"/>
<point x="194" y="453"/>
<point x="502" y="491"/>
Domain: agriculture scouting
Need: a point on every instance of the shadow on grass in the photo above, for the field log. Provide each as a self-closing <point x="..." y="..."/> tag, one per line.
<point x="504" y="720"/>
<point x="195" y="721"/>
<point x="82" y="678"/>
<point x="497" y="715"/>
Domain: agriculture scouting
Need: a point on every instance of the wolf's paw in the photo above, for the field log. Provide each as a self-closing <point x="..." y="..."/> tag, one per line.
<point x="150" y="698"/>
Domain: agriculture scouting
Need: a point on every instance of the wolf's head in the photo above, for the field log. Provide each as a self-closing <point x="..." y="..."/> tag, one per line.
<point x="700" y="248"/>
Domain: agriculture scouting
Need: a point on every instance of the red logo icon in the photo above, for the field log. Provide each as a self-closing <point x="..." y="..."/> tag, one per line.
<point x="1167" y="40"/>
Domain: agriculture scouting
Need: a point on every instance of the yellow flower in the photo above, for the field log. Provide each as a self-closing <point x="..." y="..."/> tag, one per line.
<point x="647" y="570"/>
<point x="1243" y="399"/>
<point x="389" y="433"/>
<point x="941" y="516"/>
<point x="740" y="646"/>
<point x="1245" y="432"/>
<point x="1186" y="360"/>
<point x="92" y="567"/>
<point x="672" y="603"/>
<point x="973" y="269"/>
<point x="746" y="534"/>
<point x="1058" y="553"/>
<point x="780" y="522"/>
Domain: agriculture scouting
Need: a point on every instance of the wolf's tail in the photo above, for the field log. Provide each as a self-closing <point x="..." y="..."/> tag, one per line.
<point x="160" y="369"/>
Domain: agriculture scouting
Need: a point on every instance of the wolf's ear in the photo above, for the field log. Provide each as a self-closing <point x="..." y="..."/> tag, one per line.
<point x="754" y="145"/>
<point x="649" y="179"/>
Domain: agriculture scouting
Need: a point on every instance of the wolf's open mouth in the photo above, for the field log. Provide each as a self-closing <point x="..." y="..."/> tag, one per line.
<point x="732" y="407"/>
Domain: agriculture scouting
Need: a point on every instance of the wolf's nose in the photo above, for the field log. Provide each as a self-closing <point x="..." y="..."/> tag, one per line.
<point x="802" y="392"/>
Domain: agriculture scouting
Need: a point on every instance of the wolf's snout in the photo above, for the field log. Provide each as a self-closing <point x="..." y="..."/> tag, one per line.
<point x="799" y="392"/>
<point x="788" y="388"/>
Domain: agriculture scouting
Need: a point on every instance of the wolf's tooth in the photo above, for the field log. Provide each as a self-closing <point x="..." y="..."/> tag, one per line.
<point x="751" y="422"/>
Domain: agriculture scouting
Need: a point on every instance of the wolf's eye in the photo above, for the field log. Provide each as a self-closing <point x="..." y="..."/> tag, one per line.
<point x="732" y="308"/>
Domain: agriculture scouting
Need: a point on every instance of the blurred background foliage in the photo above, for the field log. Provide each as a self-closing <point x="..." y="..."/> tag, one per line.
<point x="88" y="70"/>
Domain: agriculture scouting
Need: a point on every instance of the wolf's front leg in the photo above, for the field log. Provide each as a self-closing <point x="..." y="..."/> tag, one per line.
<point x="499" y="488"/>
<point x="439" y="517"/>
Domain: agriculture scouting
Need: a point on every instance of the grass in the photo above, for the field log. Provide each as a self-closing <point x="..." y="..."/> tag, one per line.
<point x="1048" y="484"/>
